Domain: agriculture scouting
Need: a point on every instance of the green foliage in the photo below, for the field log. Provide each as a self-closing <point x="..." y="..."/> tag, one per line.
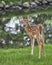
<point x="22" y="56"/>
<point x="15" y="13"/>
<point x="17" y="40"/>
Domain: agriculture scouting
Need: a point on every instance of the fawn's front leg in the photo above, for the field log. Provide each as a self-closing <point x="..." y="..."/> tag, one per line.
<point x="32" y="45"/>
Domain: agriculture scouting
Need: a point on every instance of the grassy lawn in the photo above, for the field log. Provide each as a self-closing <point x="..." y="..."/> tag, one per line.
<point x="22" y="56"/>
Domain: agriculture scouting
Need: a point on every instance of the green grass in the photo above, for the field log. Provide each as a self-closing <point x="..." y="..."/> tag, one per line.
<point x="22" y="56"/>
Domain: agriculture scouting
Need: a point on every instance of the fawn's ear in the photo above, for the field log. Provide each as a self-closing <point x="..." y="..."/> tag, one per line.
<point x="29" y="18"/>
<point x="20" y="18"/>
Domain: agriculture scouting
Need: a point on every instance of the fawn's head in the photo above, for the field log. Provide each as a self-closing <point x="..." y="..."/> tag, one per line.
<point x="25" y="20"/>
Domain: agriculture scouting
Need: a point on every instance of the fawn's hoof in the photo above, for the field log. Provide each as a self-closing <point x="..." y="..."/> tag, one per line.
<point x="31" y="54"/>
<point x="39" y="57"/>
<point x="45" y="55"/>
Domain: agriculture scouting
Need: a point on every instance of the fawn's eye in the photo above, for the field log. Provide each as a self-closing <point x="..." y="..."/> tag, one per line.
<point x="23" y="25"/>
